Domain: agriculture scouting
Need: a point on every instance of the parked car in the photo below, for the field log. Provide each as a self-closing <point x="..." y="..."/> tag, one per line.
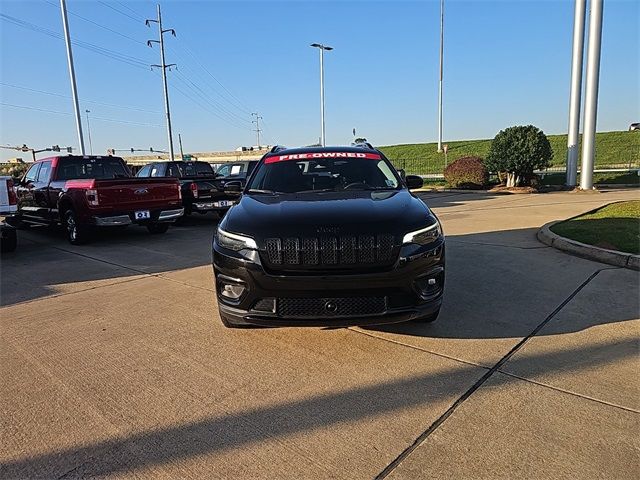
<point x="94" y="191"/>
<point x="236" y="171"/>
<point x="328" y="236"/>
<point x="8" y="206"/>
<point x="634" y="126"/>
<point x="199" y="192"/>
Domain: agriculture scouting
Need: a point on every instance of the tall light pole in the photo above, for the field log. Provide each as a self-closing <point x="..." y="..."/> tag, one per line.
<point x="573" y="135"/>
<point x="591" y="95"/>
<point x="164" y="67"/>
<point x="322" y="48"/>
<point x="440" y="82"/>
<point x="72" y="75"/>
<point x="89" y="131"/>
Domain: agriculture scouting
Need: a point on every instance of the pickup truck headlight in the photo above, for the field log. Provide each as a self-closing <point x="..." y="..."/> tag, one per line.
<point x="235" y="242"/>
<point x="424" y="236"/>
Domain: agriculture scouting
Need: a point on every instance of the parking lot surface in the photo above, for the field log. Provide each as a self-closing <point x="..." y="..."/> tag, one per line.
<point x="114" y="363"/>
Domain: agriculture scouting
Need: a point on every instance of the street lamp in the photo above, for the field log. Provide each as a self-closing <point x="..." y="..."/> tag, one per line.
<point x="89" y="131"/>
<point x="322" y="48"/>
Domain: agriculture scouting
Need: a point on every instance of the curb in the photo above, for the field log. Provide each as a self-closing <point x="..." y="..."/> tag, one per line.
<point x="603" y="255"/>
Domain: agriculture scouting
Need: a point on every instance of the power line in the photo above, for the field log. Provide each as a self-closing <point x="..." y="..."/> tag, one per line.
<point x="127" y="107"/>
<point x="133" y="61"/>
<point x="240" y="104"/>
<point x="211" y="101"/>
<point x="206" y="106"/>
<point x="137" y="20"/>
<point x="105" y="119"/>
<point x="140" y="42"/>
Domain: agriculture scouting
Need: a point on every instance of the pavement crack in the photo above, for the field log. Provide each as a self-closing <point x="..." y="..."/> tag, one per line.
<point x="439" y="421"/>
<point x="414" y="347"/>
<point x="569" y="392"/>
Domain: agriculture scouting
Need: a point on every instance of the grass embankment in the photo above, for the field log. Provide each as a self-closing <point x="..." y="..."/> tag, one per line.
<point x="616" y="227"/>
<point x="612" y="148"/>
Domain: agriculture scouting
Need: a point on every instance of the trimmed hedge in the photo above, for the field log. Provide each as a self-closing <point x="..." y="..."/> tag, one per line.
<point x="467" y="172"/>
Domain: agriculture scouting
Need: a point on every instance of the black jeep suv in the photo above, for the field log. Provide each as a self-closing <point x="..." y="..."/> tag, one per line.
<point x="328" y="236"/>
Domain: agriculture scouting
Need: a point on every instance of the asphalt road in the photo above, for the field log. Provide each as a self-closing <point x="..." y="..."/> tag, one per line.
<point x="114" y="363"/>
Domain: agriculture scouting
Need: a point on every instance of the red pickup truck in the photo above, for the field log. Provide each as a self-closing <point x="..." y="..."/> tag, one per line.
<point x="92" y="191"/>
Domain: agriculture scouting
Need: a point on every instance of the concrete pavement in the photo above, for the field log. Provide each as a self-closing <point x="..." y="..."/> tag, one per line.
<point x="114" y="363"/>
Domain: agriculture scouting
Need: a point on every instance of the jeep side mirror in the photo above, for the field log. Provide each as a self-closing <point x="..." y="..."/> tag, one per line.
<point x="413" y="181"/>
<point x="233" y="187"/>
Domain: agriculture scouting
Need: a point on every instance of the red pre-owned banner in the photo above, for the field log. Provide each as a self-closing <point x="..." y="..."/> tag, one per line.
<point x="320" y="155"/>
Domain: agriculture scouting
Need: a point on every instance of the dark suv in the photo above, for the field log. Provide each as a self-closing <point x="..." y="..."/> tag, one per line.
<point x="328" y="236"/>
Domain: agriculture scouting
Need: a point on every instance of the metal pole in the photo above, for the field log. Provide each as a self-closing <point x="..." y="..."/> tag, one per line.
<point x="180" y="142"/>
<point x="591" y="95"/>
<point x="257" y="130"/>
<point x="573" y="136"/>
<point x="89" y="132"/>
<point x="164" y="84"/>
<point x="440" y="82"/>
<point x="322" y="133"/>
<point x="72" y="75"/>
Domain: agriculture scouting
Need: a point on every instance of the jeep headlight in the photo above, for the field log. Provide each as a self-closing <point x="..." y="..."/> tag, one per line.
<point x="424" y="236"/>
<point x="235" y="242"/>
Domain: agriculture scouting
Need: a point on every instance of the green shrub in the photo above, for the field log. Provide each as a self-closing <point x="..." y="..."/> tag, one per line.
<point x="519" y="151"/>
<point x="467" y="172"/>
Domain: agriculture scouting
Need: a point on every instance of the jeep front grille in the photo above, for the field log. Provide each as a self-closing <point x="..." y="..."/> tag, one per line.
<point x="330" y="307"/>
<point x="329" y="250"/>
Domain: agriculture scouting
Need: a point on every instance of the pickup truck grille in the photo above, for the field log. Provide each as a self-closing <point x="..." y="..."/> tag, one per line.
<point x="344" y="250"/>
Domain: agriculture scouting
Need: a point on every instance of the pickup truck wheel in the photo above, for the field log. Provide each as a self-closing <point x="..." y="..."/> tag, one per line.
<point x="76" y="234"/>
<point x="427" y="319"/>
<point x="9" y="240"/>
<point x="156" y="228"/>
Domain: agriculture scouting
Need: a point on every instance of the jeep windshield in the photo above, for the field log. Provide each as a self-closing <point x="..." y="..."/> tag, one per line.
<point x="306" y="173"/>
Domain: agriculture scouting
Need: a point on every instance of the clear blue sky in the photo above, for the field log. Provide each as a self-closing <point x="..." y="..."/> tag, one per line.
<point x="506" y="63"/>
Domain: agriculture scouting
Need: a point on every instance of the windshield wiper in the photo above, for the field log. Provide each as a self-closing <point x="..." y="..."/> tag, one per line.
<point x="315" y="190"/>
<point x="257" y="190"/>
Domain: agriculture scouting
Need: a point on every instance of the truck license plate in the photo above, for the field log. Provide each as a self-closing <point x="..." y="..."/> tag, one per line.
<point x="143" y="214"/>
<point x="223" y="203"/>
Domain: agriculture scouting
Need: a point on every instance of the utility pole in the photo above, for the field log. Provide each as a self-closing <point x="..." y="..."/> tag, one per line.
<point x="440" y="82"/>
<point x="72" y="75"/>
<point x="591" y="95"/>
<point x="89" y="131"/>
<point x="164" y="67"/>
<point x="573" y="135"/>
<point x="257" y="122"/>
<point x="181" y="152"/>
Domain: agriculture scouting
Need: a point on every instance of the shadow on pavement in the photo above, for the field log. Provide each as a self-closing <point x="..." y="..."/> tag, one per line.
<point x="216" y="434"/>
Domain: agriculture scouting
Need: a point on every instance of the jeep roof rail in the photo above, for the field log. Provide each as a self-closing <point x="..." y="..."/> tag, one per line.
<point x="277" y="148"/>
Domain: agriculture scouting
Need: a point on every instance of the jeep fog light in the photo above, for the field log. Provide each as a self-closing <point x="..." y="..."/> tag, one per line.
<point x="232" y="291"/>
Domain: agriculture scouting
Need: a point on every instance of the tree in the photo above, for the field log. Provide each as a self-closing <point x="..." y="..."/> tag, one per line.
<point x="519" y="151"/>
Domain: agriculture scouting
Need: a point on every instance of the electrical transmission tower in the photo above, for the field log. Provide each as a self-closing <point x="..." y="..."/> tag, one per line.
<point x="257" y="129"/>
<point x="163" y="66"/>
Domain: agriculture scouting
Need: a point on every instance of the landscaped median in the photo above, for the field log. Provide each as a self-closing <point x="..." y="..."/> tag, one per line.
<point x="610" y="234"/>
